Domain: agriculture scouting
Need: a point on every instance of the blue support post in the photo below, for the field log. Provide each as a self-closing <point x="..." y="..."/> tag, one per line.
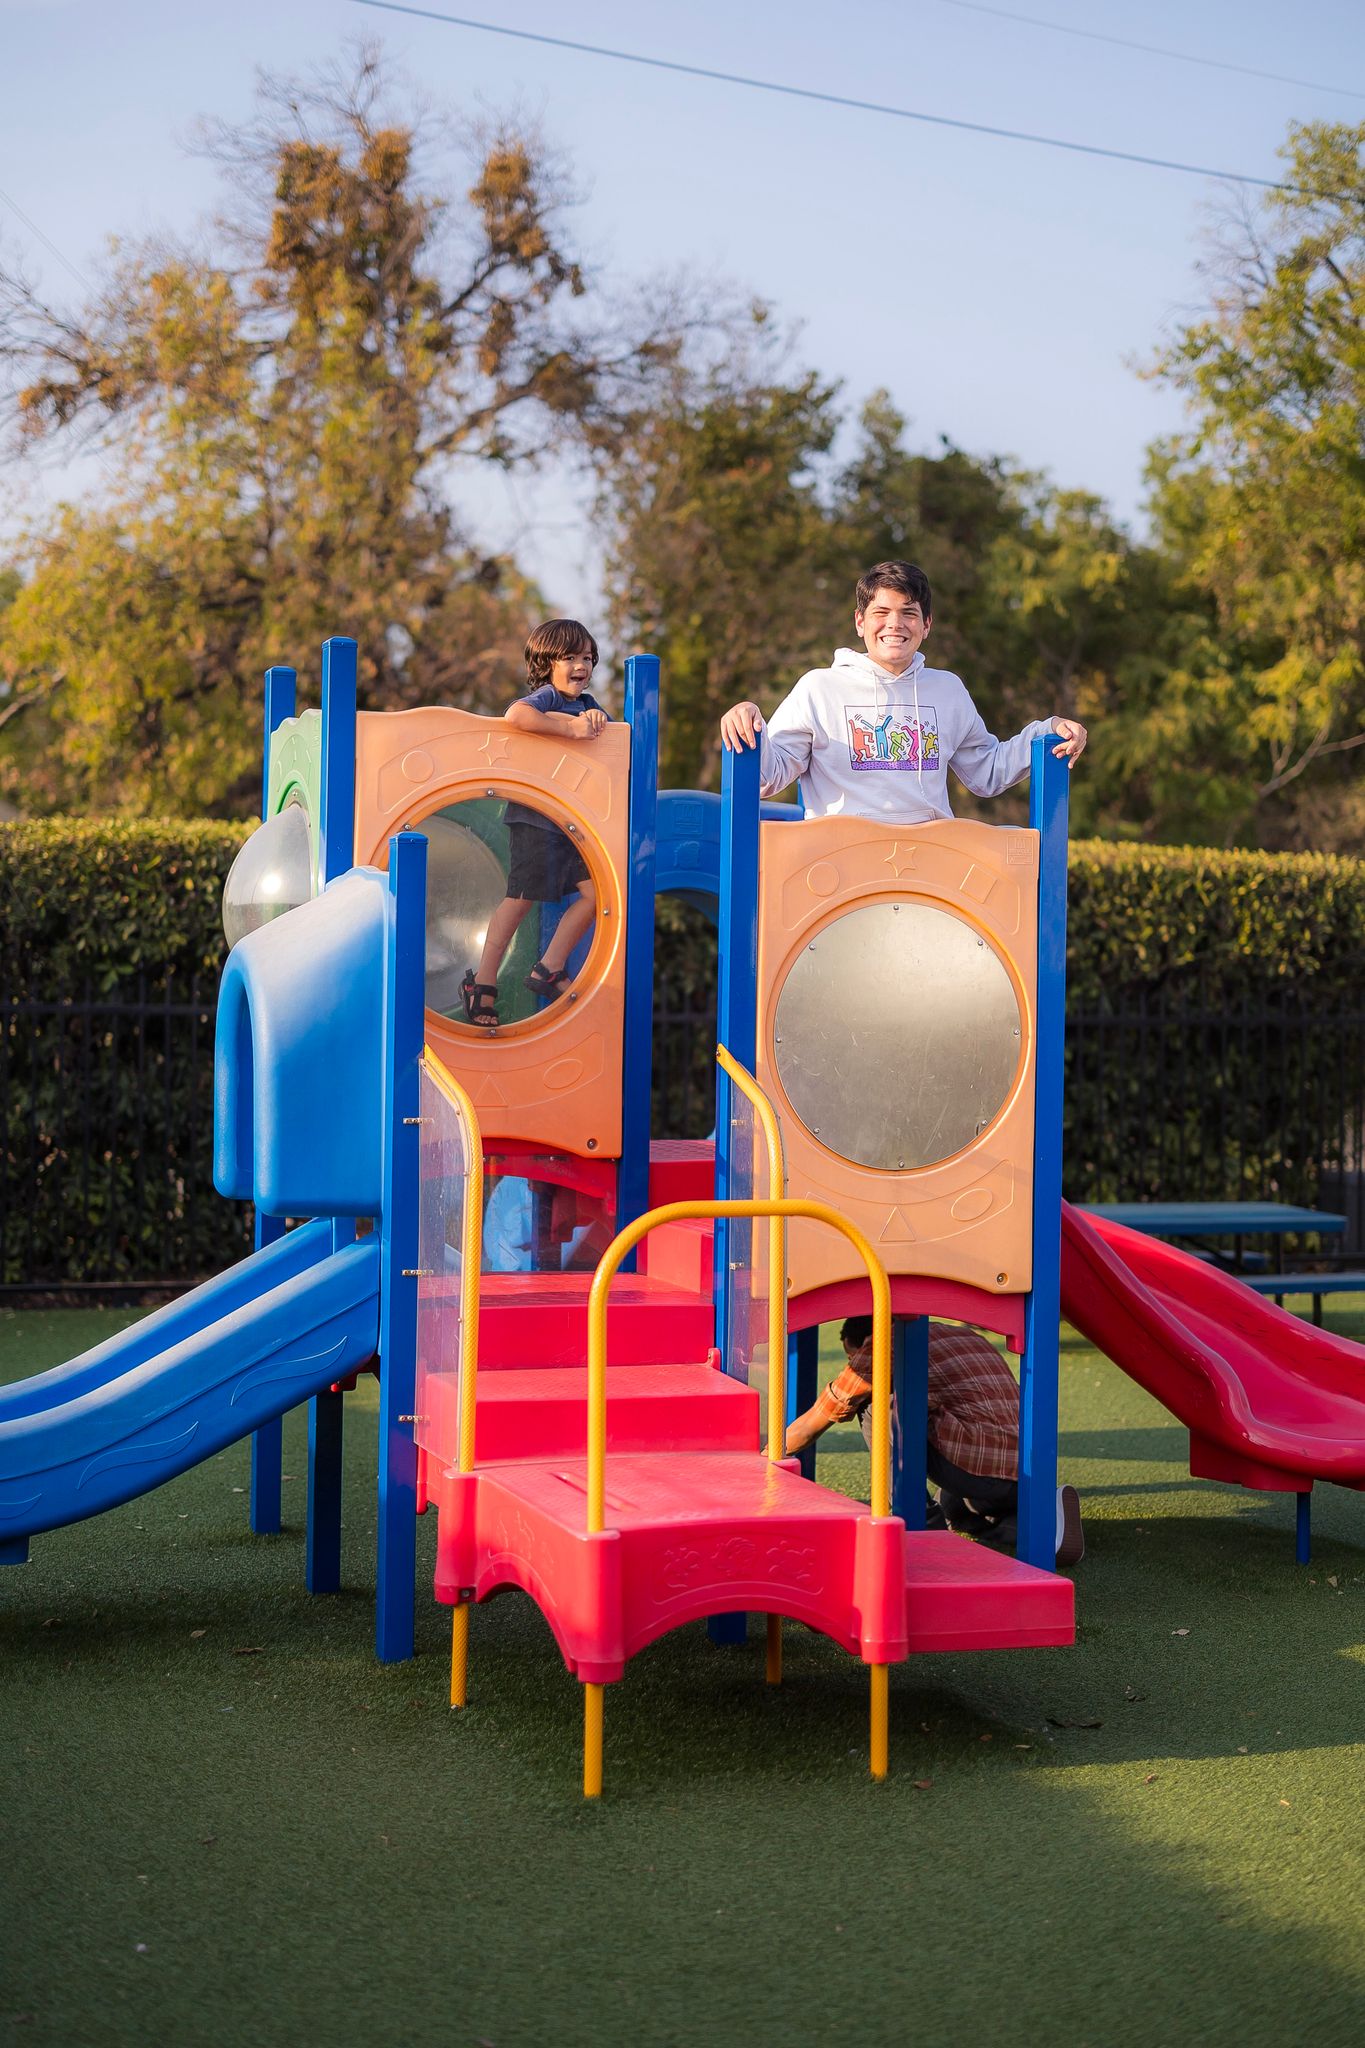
<point x="322" y="1568"/>
<point x="910" y="1439"/>
<point x="1039" y="1374"/>
<point x="803" y="1372"/>
<point x="736" y="1024"/>
<point x="637" y="1055"/>
<point x="404" y="1005"/>
<point x="336" y="836"/>
<point x="1303" y="1527"/>
<point x="267" y="1445"/>
<point x="336" y="825"/>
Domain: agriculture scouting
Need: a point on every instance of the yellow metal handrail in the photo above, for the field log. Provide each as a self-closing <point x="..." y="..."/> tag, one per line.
<point x="624" y="1242"/>
<point x="777" y="1253"/>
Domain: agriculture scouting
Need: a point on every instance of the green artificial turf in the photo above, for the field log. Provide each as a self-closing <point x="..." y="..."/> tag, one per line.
<point x="223" y="1822"/>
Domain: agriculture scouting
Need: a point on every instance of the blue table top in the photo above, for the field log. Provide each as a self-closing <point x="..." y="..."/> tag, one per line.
<point x="1217" y="1219"/>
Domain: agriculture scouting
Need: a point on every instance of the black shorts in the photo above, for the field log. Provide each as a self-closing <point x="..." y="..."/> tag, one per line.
<point x="544" y="863"/>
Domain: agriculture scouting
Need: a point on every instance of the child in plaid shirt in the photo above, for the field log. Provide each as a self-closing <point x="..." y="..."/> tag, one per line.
<point x="973" y="1430"/>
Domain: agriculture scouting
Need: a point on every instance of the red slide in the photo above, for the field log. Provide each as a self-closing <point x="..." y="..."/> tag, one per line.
<point x="1269" y="1400"/>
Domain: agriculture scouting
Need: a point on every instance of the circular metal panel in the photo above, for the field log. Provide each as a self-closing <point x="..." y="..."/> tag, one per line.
<point x="898" y="1035"/>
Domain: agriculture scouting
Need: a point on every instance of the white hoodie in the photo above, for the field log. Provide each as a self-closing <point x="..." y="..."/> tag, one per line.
<point x="863" y="744"/>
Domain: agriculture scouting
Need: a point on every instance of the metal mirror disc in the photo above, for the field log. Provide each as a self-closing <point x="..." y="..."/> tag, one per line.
<point x="898" y="1035"/>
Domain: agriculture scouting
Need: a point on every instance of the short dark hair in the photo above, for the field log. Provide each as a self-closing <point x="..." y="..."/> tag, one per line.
<point x="901" y="576"/>
<point x="557" y="640"/>
<point x="855" y="1332"/>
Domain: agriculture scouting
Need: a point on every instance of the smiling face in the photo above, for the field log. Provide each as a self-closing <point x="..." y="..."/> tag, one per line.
<point x="571" y="673"/>
<point x="892" y="628"/>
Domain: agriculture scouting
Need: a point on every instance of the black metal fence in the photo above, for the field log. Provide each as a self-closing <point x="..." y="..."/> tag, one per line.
<point x="107" y="1108"/>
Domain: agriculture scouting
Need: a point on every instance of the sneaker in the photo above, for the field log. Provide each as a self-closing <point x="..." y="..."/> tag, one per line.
<point x="1070" y="1534"/>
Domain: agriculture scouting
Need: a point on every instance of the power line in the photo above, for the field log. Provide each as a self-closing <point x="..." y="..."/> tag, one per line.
<point x="833" y="99"/>
<point x="47" y="242"/>
<point x="1094" y="35"/>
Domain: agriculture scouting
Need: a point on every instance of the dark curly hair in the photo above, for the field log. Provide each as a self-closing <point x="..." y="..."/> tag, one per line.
<point x="902" y="577"/>
<point x="555" y="641"/>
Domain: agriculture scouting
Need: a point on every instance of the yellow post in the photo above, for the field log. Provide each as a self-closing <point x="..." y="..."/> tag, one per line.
<point x="777" y="1253"/>
<point x="592" y="1741"/>
<point x="774" y="1658"/>
<point x="881" y="1718"/>
<point x="459" y="1652"/>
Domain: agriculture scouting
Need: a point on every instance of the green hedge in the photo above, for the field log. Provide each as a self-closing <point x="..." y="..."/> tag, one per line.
<point x="110" y="951"/>
<point x="1217" y="1013"/>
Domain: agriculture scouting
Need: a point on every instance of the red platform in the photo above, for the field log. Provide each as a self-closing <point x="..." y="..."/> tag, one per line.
<point x="712" y="1532"/>
<point x="540" y="1319"/>
<point x="542" y="1412"/>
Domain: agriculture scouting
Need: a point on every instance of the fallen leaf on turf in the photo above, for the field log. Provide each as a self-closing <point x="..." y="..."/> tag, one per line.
<point x="1130" y="1692"/>
<point x="923" y="1784"/>
<point x="1242" y="1749"/>
<point x="140" y="1948"/>
<point x="1053" y="1722"/>
<point x="250" y="1650"/>
<point x="1284" y="1802"/>
<point x="1331" y="1580"/>
<point x="1023" y="1745"/>
<point x="239" y="1489"/>
<point x="195" y="1634"/>
<point x="1179" y="1631"/>
<point x="985" y="1738"/>
<point x="1150" y="1778"/>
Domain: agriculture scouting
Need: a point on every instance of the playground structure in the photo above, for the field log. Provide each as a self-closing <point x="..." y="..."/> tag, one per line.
<point x="595" y="1439"/>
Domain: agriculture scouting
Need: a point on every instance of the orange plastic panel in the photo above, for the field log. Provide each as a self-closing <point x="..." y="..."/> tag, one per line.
<point x="554" y="1079"/>
<point x="966" y="1218"/>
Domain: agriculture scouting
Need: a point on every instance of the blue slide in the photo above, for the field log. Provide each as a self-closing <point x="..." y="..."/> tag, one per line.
<point x="184" y="1382"/>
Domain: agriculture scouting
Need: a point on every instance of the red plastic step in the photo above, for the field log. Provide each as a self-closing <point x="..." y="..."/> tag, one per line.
<point x="541" y="1319"/>
<point x="961" y="1596"/>
<point x="681" y="1170"/>
<point x="543" y="1414"/>
<point x="682" y="1254"/>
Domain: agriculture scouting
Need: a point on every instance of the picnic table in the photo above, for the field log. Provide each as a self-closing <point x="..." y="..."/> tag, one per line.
<point x="1237" y="1220"/>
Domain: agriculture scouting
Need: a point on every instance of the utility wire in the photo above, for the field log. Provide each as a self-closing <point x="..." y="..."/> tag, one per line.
<point x="833" y="99"/>
<point x="1094" y="35"/>
<point x="34" y="229"/>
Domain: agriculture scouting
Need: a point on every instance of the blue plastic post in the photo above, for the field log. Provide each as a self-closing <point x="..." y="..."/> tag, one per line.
<point x="736" y="1025"/>
<point x="910" y="1440"/>
<point x="803" y="1371"/>
<point x="1038" y="1375"/>
<point x="322" y="1567"/>
<point x="1303" y="1527"/>
<point x="637" y="1058"/>
<point x="336" y="825"/>
<point x="404" y="992"/>
<point x="267" y="1445"/>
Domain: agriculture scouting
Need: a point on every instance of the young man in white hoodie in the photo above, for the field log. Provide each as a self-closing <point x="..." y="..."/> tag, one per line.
<point x="873" y="736"/>
<point x="875" y="733"/>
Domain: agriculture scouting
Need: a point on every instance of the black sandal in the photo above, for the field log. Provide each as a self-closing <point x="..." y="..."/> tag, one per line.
<point x="547" y="981"/>
<point x="480" y="999"/>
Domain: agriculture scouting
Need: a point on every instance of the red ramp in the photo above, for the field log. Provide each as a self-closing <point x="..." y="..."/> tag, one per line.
<point x="1269" y="1401"/>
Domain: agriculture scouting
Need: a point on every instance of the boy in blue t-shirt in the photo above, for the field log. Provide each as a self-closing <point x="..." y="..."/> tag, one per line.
<point x="544" y="863"/>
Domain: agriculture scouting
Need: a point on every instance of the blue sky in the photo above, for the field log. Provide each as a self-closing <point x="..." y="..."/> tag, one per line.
<point x="1003" y="294"/>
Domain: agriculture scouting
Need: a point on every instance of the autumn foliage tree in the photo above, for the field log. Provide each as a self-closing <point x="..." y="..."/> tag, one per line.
<point x="285" y="418"/>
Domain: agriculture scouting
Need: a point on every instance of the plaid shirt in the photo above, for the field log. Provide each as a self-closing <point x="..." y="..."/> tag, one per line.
<point x="973" y="1403"/>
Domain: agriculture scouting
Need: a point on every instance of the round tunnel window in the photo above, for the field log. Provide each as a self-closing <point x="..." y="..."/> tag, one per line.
<point x="898" y="1035"/>
<point x="272" y="873"/>
<point x="511" y="911"/>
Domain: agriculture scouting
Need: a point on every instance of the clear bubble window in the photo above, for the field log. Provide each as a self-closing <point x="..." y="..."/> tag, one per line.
<point x="511" y="912"/>
<point x="898" y="1035"/>
<point x="273" y="873"/>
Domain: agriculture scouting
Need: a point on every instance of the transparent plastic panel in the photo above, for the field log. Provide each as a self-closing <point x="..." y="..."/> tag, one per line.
<point x="545" y="1213"/>
<point x="746" y="1345"/>
<point x="508" y="889"/>
<point x="898" y="1035"/>
<point x="444" y="1151"/>
<point x="272" y="873"/>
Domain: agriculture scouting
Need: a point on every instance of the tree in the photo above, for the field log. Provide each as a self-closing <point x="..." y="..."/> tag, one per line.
<point x="1262" y="504"/>
<point x="721" y="559"/>
<point x="284" y="414"/>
